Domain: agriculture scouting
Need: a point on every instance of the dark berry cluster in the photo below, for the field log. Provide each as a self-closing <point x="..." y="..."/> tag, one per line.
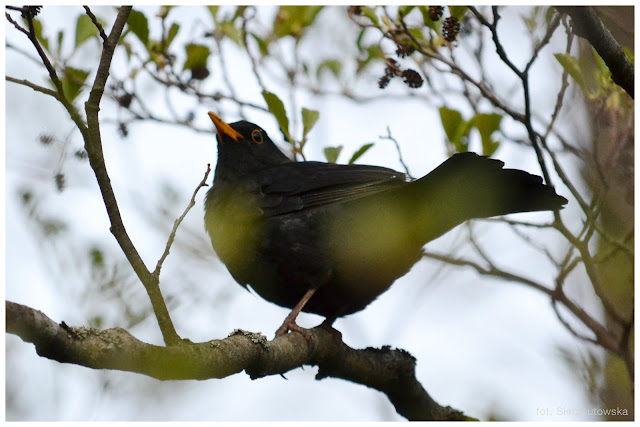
<point x="199" y="73"/>
<point x="404" y="50"/>
<point x="435" y="12"/>
<point x="28" y="12"/>
<point x="389" y="73"/>
<point x="450" y="29"/>
<point x="125" y="100"/>
<point x="410" y="77"/>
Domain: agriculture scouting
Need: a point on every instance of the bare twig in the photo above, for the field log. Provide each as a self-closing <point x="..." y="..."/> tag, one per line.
<point x="178" y="221"/>
<point x="34" y="86"/>
<point x="15" y="24"/>
<point x="96" y="23"/>
<point x="398" y="150"/>
<point x="563" y="86"/>
<point x="553" y="25"/>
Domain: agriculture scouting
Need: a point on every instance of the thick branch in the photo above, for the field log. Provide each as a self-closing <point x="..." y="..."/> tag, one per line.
<point x="587" y="25"/>
<point x="390" y="371"/>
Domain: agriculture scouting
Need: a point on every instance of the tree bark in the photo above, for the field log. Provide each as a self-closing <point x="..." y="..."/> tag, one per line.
<point x="389" y="371"/>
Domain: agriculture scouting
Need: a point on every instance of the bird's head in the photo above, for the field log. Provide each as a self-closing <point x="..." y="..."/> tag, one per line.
<point x="245" y="144"/>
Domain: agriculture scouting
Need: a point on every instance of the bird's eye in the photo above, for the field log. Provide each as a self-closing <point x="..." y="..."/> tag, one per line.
<point x="256" y="135"/>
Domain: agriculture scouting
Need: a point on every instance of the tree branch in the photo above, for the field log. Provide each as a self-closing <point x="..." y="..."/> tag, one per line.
<point x="390" y="371"/>
<point x="587" y="25"/>
<point x="93" y="145"/>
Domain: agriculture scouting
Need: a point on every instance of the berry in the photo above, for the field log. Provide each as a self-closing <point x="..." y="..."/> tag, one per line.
<point x="412" y="78"/>
<point x="435" y="12"/>
<point x="450" y="29"/>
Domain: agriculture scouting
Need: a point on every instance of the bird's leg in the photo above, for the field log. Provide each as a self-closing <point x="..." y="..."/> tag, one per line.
<point x="289" y="323"/>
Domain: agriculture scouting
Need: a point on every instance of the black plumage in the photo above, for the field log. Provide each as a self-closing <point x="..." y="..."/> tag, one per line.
<point x="340" y="235"/>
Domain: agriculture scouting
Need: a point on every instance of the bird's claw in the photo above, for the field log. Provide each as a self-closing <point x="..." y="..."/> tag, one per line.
<point x="293" y="327"/>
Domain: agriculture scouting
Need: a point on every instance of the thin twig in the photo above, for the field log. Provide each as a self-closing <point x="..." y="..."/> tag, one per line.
<point x="178" y="221"/>
<point x="96" y="23"/>
<point x="24" y="53"/>
<point x="517" y="223"/>
<point x="34" y="86"/>
<point x="553" y="25"/>
<point x="563" y="87"/>
<point x="45" y="59"/>
<point x="15" y="24"/>
<point x="399" y="151"/>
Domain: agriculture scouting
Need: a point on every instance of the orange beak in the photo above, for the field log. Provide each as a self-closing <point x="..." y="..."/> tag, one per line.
<point x="223" y="128"/>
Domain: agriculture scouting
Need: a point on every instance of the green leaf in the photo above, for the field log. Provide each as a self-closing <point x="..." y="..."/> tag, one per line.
<point x="404" y="10"/>
<point x="97" y="257"/>
<point x="359" y="39"/>
<point x="548" y="16"/>
<point x="458" y="11"/>
<point x="85" y="29"/>
<point x="456" y="128"/>
<point x="263" y="44"/>
<point x="239" y="12"/>
<point x="229" y="29"/>
<point x="360" y="152"/>
<point x="139" y="25"/>
<point x="370" y="13"/>
<point x="214" y="12"/>
<point x="72" y="82"/>
<point x="434" y="25"/>
<point x="570" y="65"/>
<point x="487" y="124"/>
<point x="292" y="20"/>
<point x="309" y="119"/>
<point x="373" y="53"/>
<point x="332" y="65"/>
<point x="173" y="31"/>
<point x="197" y="56"/>
<point x="417" y="34"/>
<point x="602" y="66"/>
<point x="60" y="39"/>
<point x="276" y="107"/>
<point x="332" y="153"/>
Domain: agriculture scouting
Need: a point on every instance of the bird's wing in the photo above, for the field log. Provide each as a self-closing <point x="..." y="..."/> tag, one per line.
<point x="296" y="186"/>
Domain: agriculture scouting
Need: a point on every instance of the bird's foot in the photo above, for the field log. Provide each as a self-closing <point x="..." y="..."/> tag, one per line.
<point x="291" y="325"/>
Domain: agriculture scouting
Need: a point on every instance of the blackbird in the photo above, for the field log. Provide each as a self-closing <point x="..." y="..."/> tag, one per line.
<point x="328" y="239"/>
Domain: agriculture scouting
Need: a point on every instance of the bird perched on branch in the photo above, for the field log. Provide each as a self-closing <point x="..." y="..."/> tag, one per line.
<point x="329" y="239"/>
